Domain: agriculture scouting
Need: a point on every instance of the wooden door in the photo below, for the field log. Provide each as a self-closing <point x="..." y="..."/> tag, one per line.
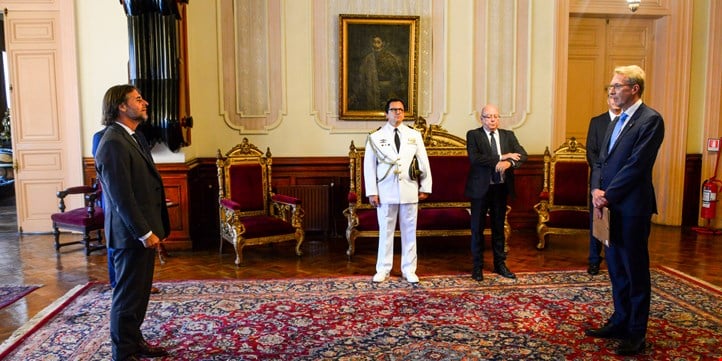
<point x="596" y="47"/>
<point x="40" y="44"/>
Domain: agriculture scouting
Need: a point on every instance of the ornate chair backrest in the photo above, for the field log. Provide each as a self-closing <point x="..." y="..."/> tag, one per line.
<point x="569" y="176"/>
<point x="244" y="176"/>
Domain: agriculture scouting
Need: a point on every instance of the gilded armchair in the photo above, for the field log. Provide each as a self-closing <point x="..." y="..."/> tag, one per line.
<point x="563" y="207"/>
<point x="250" y="212"/>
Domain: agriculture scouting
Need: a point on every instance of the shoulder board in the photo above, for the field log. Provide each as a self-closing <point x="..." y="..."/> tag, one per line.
<point x="374" y="131"/>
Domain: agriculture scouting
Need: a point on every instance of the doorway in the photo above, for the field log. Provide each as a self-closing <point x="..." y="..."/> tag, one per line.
<point x="8" y="215"/>
<point x="596" y="46"/>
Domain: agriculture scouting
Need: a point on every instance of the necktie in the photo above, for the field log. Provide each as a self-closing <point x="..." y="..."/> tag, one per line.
<point x="397" y="140"/>
<point x="617" y="129"/>
<point x="496" y="176"/>
<point x="141" y="141"/>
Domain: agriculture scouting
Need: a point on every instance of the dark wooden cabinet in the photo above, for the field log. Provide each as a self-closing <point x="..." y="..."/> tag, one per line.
<point x="203" y="197"/>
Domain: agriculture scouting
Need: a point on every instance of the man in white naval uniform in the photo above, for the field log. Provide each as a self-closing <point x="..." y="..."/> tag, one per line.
<point x="389" y="153"/>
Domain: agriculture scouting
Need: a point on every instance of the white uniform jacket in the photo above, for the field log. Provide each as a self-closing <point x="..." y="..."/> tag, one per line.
<point x="386" y="171"/>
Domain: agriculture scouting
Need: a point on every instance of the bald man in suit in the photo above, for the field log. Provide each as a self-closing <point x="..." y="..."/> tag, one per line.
<point x="622" y="181"/>
<point x="494" y="153"/>
<point x="136" y="217"/>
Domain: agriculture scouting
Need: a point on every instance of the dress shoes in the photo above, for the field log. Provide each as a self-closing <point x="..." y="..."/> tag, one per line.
<point x="146" y="350"/>
<point x="631" y="346"/>
<point x="129" y="358"/>
<point x="593" y="269"/>
<point x="411" y="277"/>
<point x="504" y="271"/>
<point x="477" y="274"/>
<point x="609" y="330"/>
<point x="380" y="277"/>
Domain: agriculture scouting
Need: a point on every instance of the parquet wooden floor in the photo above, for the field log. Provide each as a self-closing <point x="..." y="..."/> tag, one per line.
<point x="31" y="259"/>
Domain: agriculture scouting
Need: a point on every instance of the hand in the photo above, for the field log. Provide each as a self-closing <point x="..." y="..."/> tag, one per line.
<point x="597" y="213"/>
<point x="423" y="196"/>
<point x="374" y="201"/>
<point x="598" y="199"/>
<point x="152" y="242"/>
<point x="502" y="166"/>
<point x="513" y="156"/>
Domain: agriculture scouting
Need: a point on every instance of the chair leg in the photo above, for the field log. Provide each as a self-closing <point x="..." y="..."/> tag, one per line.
<point x="238" y="245"/>
<point x="86" y="241"/>
<point x="56" y="233"/>
<point x="300" y="236"/>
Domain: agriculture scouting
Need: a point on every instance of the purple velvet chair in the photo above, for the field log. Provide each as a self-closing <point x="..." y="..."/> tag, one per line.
<point x="250" y="213"/>
<point x="85" y="220"/>
<point x="563" y="207"/>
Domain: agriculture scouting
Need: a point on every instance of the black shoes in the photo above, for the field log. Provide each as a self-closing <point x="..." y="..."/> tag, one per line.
<point x="146" y="350"/>
<point x="631" y="346"/>
<point x="129" y="358"/>
<point x="477" y="274"/>
<point x="607" y="331"/>
<point x="593" y="269"/>
<point x="502" y="270"/>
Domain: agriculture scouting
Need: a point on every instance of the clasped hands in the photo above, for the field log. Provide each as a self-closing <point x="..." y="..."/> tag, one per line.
<point x="599" y="202"/>
<point x="507" y="160"/>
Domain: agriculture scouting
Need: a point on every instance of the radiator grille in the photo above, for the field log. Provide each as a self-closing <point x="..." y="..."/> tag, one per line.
<point x="316" y="202"/>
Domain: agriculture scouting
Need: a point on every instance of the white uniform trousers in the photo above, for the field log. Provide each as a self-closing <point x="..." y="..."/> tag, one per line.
<point x="387" y="214"/>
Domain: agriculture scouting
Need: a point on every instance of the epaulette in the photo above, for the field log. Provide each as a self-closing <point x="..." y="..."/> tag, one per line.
<point x="374" y="131"/>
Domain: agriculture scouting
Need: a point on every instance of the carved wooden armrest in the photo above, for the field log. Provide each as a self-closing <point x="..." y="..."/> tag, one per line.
<point x="72" y="190"/>
<point x="288" y="208"/>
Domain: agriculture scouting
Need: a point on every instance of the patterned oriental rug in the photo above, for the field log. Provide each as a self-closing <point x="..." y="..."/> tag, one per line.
<point x="540" y="316"/>
<point x="10" y="294"/>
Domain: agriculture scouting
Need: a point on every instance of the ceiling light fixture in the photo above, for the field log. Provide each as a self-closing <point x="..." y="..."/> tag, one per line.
<point x="633" y="4"/>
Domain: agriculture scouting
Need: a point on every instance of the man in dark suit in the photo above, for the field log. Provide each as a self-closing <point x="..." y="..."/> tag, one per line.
<point x="595" y="136"/>
<point x="109" y="250"/>
<point x="622" y="181"/>
<point x="493" y="153"/>
<point x="136" y="217"/>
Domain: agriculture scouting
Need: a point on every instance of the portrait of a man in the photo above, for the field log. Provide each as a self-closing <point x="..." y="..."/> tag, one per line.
<point x="378" y="62"/>
<point x="381" y="77"/>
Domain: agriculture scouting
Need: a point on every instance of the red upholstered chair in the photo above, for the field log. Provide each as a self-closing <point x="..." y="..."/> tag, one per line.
<point x="250" y="213"/>
<point x="563" y="207"/>
<point x="85" y="220"/>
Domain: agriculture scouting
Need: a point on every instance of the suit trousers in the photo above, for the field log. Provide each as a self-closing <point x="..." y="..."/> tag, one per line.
<point x="387" y="215"/>
<point x="628" y="265"/>
<point x="495" y="205"/>
<point x="134" y="277"/>
<point x="595" y="247"/>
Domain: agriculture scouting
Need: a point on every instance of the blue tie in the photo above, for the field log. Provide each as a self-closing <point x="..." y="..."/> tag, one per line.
<point x="617" y="130"/>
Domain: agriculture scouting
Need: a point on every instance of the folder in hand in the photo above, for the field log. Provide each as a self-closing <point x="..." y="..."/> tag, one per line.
<point x="600" y="227"/>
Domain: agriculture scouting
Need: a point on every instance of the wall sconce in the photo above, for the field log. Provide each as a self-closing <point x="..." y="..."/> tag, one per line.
<point x="633" y="4"/>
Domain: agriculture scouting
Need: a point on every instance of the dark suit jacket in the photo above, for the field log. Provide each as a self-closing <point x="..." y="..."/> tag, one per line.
<point x="595" y="136"/>
<point x="483" y="161"/>
<point x="625" y="172"/>
<point x="133" y="192"/>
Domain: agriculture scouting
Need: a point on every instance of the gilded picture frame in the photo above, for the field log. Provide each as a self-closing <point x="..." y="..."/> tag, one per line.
<point x="378" y="61"/>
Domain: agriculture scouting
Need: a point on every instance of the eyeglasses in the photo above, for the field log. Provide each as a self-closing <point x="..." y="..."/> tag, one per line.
<point x="490" y="116"/>
<point x="616" y="86"/>
<point x="396" y="110"/>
